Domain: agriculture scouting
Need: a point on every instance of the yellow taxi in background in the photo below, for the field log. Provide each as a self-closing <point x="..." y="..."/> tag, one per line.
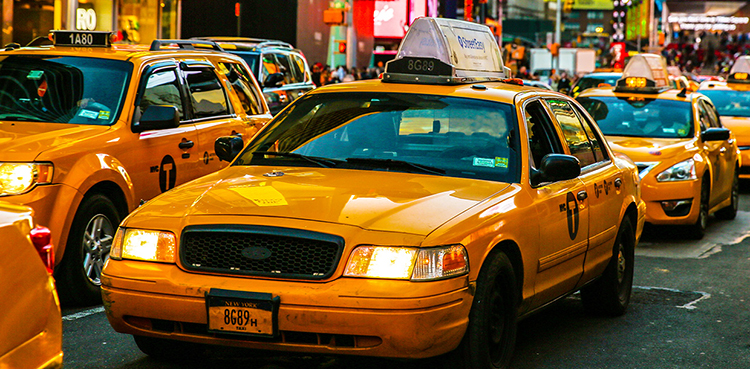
<point x="406" y="217"/>
<point x="30" y="319"/>
<point x="732" y="101"/>
<point x="689" y="163"/>
<point x="89" y="130"/>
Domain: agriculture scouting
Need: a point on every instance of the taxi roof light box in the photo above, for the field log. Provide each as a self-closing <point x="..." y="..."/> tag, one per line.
<point x="447" y="51"/>
<point x="644" y="73"/>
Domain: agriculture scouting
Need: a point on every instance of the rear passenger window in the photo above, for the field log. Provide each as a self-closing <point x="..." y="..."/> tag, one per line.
<point x="242" y="84"/>
<point x="162" y="88"/>
<point x="572" y="130"/>
<point x="299" y="68"/>
<point x="597" y="142"/>
<point x="291" y="74"/>
<point x="206" y="92"/>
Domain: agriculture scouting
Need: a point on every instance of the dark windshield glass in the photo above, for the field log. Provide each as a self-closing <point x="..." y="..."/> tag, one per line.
<point x="730" y="103"/>
<point x="62" y="89"/>
<point x="462" y="137"/>
<point x="641" y="117"/>
<point x="252" y="61"/>
<point x="589" y="82"/>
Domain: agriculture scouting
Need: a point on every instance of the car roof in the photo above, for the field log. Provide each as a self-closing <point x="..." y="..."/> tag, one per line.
<point x="671" y="94"/>
<point x="603" y="75"/>
<point x="248" y="43"/>
<point x="125" y="52"/>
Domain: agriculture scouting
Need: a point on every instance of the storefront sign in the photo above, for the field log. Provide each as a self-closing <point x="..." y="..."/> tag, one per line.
<point x="699" y="22"/>
<point x="389" y="19"/>
<point x="85" y="19"/>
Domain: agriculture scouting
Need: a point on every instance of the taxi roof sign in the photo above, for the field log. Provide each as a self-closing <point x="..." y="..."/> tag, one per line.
<point x="81" y="38"/>
<point x="740" y="70"/>
<point x="644" y="73"/>
<point x="446" y="51"/>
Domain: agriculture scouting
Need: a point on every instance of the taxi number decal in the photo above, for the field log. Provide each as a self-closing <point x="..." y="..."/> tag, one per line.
<point x="604" y="187"/>
<point x="571" y="206"/>
<point x="167" y="174"/>
<point x="81" y="39"/>
<point x="421" y="65"/>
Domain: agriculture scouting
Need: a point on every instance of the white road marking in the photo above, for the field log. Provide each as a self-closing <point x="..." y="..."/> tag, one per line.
<point x="719" y="233"/>
<point x="85" y="313"/>
<point x="690" y="305"/>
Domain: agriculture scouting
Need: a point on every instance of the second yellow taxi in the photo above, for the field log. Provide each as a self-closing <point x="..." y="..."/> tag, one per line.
<point x="689" y="163"/>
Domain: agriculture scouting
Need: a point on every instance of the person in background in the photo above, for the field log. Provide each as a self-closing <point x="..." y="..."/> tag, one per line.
<point x="523" y="73"/>
<point x="316" y="75"/>
<point x="553" y="79"/>
<point x="563" y="85"/>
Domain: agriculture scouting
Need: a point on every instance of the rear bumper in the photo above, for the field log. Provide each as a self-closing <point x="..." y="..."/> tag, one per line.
<point x="386" y="318"/>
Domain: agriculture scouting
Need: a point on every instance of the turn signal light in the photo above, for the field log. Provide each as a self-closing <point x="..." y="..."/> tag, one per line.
<point x="41" y="238"/>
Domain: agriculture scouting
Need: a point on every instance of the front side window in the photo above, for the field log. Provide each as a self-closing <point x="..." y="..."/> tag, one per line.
<point x="206" y="92"/>
<point x="641" y="117"/>
<point x="575" y="136"/>
<point x="62" y="89"/>
<point x="162" y="88"/>
<point x="244" y="87"/>
<point x="419" y="133"/>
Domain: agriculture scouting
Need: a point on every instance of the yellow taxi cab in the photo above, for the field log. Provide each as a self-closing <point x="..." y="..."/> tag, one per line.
<point x="89" y="130"/>
<point x="689" y="163"/>
<point x="406" y="217"/>
<point x="30" y="319"/>
<point x="732" y="101"/>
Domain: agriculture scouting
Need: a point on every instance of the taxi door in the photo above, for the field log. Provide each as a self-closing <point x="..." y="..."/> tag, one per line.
<point x="719" y="154"/>
<point x="211" y="112"/>
<point x="159" y="160"/>
<point x="561" y="214"/>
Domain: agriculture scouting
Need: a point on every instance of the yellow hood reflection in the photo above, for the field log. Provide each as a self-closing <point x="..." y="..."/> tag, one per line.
<point x="375" y="200"/>
<point x="641" y="149"/>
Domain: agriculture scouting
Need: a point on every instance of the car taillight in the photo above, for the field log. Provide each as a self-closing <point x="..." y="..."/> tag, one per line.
<point x="42" y="240"/>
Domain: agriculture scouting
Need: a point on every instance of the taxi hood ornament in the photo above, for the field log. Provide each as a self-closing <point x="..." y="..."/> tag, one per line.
<point x="447" y="51"/>
<point x="274" y="173"/>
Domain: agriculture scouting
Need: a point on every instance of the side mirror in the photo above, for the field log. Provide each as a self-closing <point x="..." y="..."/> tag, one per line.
<point x="228" y="147"/>
<point x="557" y="167"/>
<point x="158" y="117"/>
<point x="273" y="80"/>
<point x="715" y="134"/>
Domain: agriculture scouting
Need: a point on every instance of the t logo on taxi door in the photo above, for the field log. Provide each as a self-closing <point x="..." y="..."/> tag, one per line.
<point x="571" y="206"/>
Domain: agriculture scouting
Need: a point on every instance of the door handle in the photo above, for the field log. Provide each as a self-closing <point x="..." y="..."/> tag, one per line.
<point x="722" y="150"/>
<point x="618" y="182"/>
<point x="186" y="145"/>
<point x="583" y="195"/>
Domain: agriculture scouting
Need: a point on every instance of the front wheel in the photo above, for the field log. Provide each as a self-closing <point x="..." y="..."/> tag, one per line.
<point x="698" y="229"/>
<point x="610" y="294"/>
<point x="491" y="334"/>
<point x="89" y="243"/>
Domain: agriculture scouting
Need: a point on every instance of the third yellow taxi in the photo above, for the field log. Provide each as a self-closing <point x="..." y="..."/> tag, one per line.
<point x="689" y="163"/>
<point x="406" y="217"/>
<point x="732" y="100"/>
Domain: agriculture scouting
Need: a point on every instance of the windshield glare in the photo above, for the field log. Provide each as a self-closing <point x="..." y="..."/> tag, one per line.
<point x="62" y="89"/>
<point x="730" y="103"/>
<point x="641" y="117"/>
<point x="464" y="137"/>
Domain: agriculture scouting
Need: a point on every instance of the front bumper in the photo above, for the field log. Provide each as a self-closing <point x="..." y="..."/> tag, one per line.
<point x="386" y="318"/>
<point x="653" y="193"/>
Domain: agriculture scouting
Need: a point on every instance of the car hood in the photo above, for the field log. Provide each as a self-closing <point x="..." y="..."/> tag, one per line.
<point x="373" y="200"/>
<point x="642" y="149"/>
<point x="24" y="141"/>
<point x="740" y="127"/>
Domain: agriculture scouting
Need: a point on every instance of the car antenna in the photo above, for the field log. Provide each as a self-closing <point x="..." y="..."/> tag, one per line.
<point x="683" y="93"/>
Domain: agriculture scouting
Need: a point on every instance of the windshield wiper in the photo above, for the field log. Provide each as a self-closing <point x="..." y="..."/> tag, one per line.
<point x="16" y="118"/>
<point x="390" y="163"/>
<point x="323" y="162"/>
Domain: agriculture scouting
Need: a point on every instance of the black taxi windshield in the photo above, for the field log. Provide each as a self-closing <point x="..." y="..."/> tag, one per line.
<point x="729" y="102"/>
<point x="426" y="134"/>
<point x="62" y="89"/>
<point x="641" y="117"/>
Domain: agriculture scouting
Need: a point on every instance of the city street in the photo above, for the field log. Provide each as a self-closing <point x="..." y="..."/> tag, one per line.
<point x="688" y="310"/>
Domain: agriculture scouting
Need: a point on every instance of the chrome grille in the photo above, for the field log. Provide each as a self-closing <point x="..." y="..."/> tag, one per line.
<point x="260" y="251"/>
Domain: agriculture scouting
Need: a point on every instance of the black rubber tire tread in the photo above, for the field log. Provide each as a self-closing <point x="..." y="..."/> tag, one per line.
<point x="73" y="285"/>
<point x="163" y="349"/>
<point x="475" y="350"/>
<point x="730" y="212"/>
<point x="697" y="230"/>
<point x="608" y="295"/>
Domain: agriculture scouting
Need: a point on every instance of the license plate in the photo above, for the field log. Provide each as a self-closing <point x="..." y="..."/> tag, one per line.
<point x="239" y="312"/>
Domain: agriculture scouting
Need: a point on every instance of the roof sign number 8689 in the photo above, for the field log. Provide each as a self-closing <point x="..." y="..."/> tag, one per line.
<point x="81" y="39"/>
<point x="421" y="65"/>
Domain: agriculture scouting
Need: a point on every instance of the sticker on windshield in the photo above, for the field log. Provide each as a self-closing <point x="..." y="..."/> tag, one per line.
<point x="88" y="114"/>
<point x="484" y="162"/>
<point x="681" y="132"/>
<point x="103" y="114"/>
<point x="668" y="130"/>
<point x="501" y="162"/>
<point x="35" y="75"/>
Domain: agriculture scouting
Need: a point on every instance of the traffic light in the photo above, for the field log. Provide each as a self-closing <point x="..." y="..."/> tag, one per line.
<point x="333" y="16"/>
<point x="341" y="47"/>
<point x="554" y="49"/>
<point x="568" y="6"/>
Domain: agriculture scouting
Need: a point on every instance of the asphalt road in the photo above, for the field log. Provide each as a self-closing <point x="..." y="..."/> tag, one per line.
<point x="688" y="310"/>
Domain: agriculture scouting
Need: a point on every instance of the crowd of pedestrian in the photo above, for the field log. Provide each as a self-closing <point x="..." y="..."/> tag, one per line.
<point x="325" y="75"/>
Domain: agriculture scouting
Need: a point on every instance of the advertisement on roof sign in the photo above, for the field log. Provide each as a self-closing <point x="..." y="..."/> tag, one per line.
<point x="471" y="48"/>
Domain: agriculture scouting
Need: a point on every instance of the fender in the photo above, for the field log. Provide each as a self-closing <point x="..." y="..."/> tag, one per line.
<point x="92" y="169"/>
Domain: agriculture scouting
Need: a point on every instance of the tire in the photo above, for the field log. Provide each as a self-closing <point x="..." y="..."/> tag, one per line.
<point x="491" y="335"/>
<point x="698" y="229"/>
<point x="610" y="294"/>
<point x="87" y="249"/>
<point x="730" y="212"/>
<point x="164" y="349"/>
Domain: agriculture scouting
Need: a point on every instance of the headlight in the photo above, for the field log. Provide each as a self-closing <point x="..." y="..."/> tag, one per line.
<point x="19" y="178"/>
<point x="682" y="171"/>
<point x="142" y="244"/>
<point x="407" y="263"/>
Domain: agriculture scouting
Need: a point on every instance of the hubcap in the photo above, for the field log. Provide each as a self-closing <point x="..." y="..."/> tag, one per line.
<point x="621" y="265"/>
<point x="97" y="242"/>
